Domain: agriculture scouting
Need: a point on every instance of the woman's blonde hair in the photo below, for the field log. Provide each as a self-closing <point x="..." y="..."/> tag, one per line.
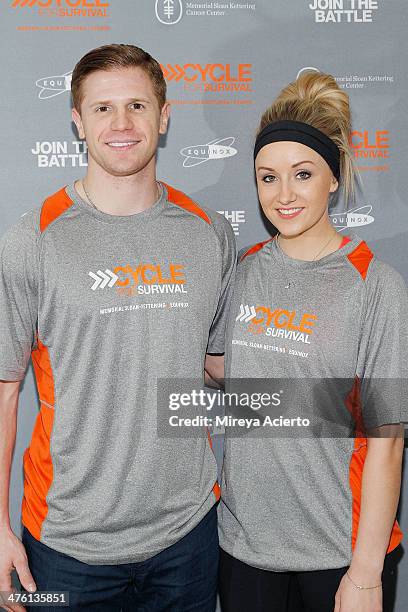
<point x="316" y="99"/>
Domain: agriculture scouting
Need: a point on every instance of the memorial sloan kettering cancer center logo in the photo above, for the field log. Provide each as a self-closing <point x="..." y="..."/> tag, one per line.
<point x="220" y="148"/>
<point x="356" y="81"/>
<point x="170" y="12"/>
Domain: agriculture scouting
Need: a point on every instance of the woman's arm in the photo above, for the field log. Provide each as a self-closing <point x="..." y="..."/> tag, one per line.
<point x="379" y="501"/>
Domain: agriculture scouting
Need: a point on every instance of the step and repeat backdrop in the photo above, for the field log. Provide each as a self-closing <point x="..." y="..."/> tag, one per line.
<point x="224" y="62"/>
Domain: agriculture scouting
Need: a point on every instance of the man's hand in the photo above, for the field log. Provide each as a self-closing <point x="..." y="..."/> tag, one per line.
<point x="13" y="556"/>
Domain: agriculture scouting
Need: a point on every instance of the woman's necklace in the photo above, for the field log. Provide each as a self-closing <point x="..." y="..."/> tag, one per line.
<point x="289" y="283"/>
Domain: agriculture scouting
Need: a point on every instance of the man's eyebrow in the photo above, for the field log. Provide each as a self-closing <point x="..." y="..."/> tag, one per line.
<point x="129" y="101"/>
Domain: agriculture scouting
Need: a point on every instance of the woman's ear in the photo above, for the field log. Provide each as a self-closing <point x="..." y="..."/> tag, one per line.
<point x="334" y="185"/>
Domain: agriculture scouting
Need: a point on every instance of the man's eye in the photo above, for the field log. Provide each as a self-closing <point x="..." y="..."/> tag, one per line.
<point x="269" y="178"/>
<point x="102" y="109"/>
<point x="137" y="106"/>
<point x="303" y="175"/>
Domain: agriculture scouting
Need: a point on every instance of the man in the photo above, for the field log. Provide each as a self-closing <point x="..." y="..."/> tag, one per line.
<point x="116" y="282"/>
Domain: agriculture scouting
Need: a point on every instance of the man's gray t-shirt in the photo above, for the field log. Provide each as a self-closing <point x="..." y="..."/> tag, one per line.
<point x="106" y="305"/>
<point x="293" y="503"/>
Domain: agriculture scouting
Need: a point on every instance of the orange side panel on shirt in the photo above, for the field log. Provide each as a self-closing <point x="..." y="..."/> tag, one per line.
<point x="357" y="466"/>
<point x="356" y="478"/>
<point x="53" y="207"/>
<point x="254" y="249"/>
<point x="361" y="258"/>
<point x="180" y="199"/>
<point x="216" y="488"/>
<point x="38" y="470"/>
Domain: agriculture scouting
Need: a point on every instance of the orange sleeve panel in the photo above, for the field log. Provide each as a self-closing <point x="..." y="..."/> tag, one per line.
<point x="254" y="249"/>
<point x="53" y="207"/>
<point x="181" y="199"/>
<point x="361" y="258"/>
<point x="345" y="241"/>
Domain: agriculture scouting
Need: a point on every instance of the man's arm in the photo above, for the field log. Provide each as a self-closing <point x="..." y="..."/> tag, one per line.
<point x="12" y="552"/>
<point x="214" y="371"/>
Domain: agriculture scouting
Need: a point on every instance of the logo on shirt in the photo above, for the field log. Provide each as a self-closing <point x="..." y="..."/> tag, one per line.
<point x="246" y="313"/>
<point x="277" y="323"/>
<point x="103" y="279"/>
<point x="144" y="279"/>
<point x="219" y="148"/>
<point x="352" y="218"/>
<point x="169" y="12"/>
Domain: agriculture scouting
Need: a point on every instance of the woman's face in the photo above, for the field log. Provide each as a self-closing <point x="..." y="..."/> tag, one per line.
<point x="294" y="183"/>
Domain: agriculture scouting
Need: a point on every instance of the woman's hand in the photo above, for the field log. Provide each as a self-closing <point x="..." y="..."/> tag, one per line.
<point x="350" y="599"/>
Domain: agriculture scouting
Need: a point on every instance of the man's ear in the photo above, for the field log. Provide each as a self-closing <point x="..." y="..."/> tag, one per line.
<point x="76" y="118"/>
<point x="164" y="118"/>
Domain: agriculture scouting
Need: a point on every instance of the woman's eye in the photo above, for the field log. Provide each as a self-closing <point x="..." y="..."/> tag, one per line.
<point x="269" y="178"/>
<point x="303" y="175"/>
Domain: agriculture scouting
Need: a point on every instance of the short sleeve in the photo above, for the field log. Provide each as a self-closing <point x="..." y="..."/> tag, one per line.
<point x="226" y="238"/>
<point x="18" y="296"/>
<point x="383" y="354"/>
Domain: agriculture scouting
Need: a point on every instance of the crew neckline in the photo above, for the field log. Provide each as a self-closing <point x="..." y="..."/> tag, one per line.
<point x="344" y="249"/>
<point x="140" y="217"/>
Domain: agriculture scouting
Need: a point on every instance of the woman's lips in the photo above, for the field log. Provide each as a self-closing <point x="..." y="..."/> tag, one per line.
<point x="289" y="213"/>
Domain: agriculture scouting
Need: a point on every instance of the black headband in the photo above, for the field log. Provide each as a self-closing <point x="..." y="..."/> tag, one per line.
<point x="296" y="131"/>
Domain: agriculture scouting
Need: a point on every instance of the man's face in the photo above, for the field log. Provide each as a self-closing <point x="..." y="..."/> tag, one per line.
<point x="121" y="120"/>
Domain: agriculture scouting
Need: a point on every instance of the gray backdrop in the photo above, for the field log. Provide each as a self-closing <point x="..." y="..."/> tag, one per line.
<point x="224" y="63"/>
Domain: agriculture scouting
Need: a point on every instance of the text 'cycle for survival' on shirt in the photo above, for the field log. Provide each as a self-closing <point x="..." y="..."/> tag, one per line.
<point x="107" y="305"/>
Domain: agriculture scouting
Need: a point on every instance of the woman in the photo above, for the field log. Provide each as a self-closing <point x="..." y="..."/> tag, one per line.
<point x="309" y="523"/>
